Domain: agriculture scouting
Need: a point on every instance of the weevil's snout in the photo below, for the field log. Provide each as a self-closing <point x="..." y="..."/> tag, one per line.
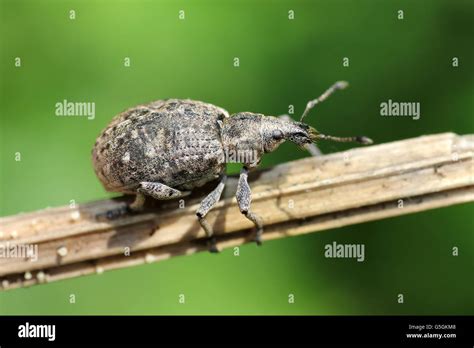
<point x="275" y="131"/>
<point x="301" y="134"/>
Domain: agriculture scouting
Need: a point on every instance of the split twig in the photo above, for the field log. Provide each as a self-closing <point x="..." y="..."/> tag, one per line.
<point x="312" y="194"/>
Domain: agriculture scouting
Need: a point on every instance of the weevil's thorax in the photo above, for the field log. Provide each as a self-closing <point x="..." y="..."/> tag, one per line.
<point x="242" y="140"/>
<point x="251" y="135"/>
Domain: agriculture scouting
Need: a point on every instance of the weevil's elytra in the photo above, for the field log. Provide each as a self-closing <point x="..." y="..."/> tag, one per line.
<point x="167" y="148"/>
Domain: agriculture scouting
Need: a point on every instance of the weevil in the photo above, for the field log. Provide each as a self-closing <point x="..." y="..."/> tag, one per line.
<point x="167" y="148"/>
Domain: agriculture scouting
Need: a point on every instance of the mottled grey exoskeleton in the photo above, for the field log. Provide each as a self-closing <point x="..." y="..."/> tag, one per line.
<point x="167" y="148"/>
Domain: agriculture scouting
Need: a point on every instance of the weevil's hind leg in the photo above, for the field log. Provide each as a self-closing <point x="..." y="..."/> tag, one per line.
<point x="311" y="148"/>
<point x="312" y="103"/>
<point x="207" y="204"/>
<point x="135" y="207"/>
<point x="244" y="197"/>
<point x="122" y="209"/>
<point x="158" y="191"/>
<point x="112" y="214"/>
<point x="138" y="204"/>
<point x="153" y="189"/>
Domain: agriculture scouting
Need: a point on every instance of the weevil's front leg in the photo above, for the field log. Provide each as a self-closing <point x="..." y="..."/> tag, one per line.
<point x="207" y="204"/>
<point x="311" y="148"/>
<point x="244" y="197"/>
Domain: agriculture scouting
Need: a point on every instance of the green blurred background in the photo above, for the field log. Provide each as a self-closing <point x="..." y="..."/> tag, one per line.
<point x="282" y="62"/>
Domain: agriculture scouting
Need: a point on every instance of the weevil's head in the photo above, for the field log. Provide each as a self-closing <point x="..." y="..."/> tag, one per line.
<point x="274" y="131"/>
<point x="246" y="131"/>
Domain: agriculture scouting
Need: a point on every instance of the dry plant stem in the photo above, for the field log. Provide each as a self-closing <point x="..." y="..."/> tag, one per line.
<point x="312" y="194"/>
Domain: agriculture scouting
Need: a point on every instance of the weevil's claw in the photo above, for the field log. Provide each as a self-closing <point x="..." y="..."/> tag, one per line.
<point x="113" y="214"/>
<point x="213" y="246"/>
<point x="117" y="213"/>
<point x="258" y="238"/>
<point x="130" y="210"/>
<point x="213" y="249"/>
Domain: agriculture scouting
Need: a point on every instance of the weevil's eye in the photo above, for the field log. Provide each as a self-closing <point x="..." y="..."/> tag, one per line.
<point x="301" y="135"/>
<point x="277" y="134"/>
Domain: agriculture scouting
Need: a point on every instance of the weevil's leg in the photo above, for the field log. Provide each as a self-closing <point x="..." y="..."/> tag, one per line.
<point x="138" y="204"/>
<point x="114" y="213"/>
<point x="312" y="103"/>
<point x="207" y="204"/>
<point x="123" y="209"/>
<point x="244" y="197"/>
<point x="154" y="189"/>
<point x="311" y="148"/>
<point x="160" y="191"/>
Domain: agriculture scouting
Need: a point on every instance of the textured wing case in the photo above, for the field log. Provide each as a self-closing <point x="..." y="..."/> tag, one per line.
<point x="175" y="142"/>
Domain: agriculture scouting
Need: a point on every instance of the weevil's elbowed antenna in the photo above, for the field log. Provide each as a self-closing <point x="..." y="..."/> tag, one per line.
<point x="315" y="135"/>
<point x="358" y="139"/>
<point x="312" y="103"/>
